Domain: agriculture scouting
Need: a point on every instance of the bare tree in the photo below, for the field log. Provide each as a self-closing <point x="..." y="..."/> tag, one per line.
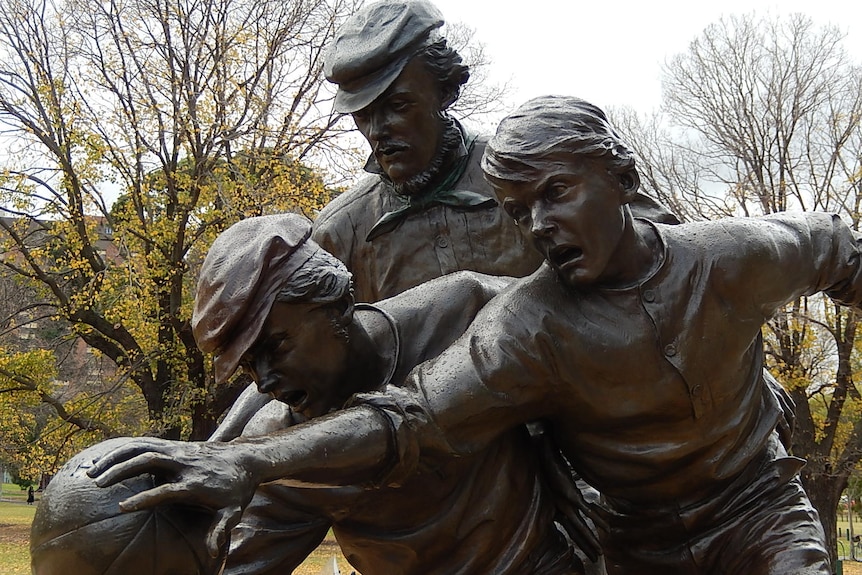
<point x="197" y="113"/>
<point x="481" y="100"/>
<point x="764" y="117"/>
<point x="775" y="105"/>
<point x="669" y="169"/>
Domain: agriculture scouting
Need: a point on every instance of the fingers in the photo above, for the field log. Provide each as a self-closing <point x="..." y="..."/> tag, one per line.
<point x="123" y="466"/>
<point x="592" y="513"/>
<point x="161" y="495"/>
<point x="226" y="519"/>
<point x="121" y="453"/>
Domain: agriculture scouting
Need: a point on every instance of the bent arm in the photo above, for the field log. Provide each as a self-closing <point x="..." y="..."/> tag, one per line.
<point x="432" y="315"/>
<point x="490" y="380"/>
<point x="494" y="378"/>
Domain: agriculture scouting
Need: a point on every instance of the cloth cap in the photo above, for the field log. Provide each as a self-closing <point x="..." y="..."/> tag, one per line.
<point x="372" y="47"/>
<point x="246" y="267"/>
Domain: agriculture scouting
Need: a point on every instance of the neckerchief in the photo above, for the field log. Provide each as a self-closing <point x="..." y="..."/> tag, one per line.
<point x="442" y="194"/>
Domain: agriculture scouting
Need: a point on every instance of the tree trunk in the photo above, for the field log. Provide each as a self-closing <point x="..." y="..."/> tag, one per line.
<point x="824" y="491"/>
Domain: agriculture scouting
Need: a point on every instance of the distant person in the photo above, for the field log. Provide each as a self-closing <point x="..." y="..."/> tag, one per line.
<point x="31" y="497"/>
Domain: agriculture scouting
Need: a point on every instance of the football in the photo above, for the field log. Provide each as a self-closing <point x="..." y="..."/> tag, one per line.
<point x="79" y="528"/>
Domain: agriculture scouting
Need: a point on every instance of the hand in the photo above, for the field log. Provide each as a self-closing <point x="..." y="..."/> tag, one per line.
<point x="205" y="474"/>
<point x="573" y="511"/>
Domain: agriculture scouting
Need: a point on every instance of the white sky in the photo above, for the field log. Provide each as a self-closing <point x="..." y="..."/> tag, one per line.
<point x="610" y="52"/>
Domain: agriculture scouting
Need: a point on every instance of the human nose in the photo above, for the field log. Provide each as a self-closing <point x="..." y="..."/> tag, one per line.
<point x="542" y="224"/>
<point x="265" y="377"/>
<point x="378" y="126"/>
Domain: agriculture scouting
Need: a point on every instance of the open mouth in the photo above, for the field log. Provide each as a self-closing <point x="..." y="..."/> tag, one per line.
<point x="560" y="256"/>
<point x="387" y="150"/>
<point x="295" y="399"/>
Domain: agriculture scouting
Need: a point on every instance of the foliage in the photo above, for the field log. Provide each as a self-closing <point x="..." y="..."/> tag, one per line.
<point x="44" y="420"/>
<point x="191" y="115"/>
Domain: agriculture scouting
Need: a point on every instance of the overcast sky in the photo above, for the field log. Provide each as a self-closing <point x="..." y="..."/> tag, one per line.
<point x="611" y="52"/>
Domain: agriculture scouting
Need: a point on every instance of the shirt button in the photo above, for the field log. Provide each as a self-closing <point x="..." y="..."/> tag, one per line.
<point x="649" y="295"/>
<point x="695" y="391"/>
<point x="442" y="242"/>
<point x="670" y="350"/>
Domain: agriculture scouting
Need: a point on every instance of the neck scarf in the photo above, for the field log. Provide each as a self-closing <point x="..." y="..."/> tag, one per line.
<point x="443" y="194"/>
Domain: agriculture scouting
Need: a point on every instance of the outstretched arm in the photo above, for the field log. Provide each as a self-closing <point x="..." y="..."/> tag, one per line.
<point x="347" y="447"/>
<point x="483" y="385"/>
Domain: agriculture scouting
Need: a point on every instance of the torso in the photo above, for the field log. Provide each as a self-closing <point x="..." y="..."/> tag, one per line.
<point x="426" y="245"/>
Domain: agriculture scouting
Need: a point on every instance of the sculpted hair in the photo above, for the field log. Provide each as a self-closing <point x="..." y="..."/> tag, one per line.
<point x="447" y="67"/>
<point x="552" y="125"/>
<point x="322" y="279"/>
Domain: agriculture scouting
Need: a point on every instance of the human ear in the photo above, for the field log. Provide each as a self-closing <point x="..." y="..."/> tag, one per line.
<point x="631" y="182"/>
<point x="343" y="310"/>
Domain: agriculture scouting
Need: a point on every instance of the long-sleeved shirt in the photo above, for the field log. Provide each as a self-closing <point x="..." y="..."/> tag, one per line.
<point x="426" y="245"/>
<point x="654" y="390"/>
<point x="485" y="513"/>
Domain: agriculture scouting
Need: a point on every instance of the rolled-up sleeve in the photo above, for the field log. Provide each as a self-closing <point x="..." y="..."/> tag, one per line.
<point x="489" y="381"/>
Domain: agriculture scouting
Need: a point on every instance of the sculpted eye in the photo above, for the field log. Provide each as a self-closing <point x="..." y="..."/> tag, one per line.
<point x="556" y="191"/>
<point x="283" y="344"/>
<point x="518" y="213"/>
<point x="361" y="117"/>
<point x="399" y="105"/>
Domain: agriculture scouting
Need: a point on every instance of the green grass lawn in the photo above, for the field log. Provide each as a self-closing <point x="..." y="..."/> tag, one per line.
<point x="12" y="492"/>
<point x="15" y="519"/>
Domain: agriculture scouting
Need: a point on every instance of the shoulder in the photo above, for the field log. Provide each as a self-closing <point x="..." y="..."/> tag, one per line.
<point x="524" y="303"/>
<point x="350" y="203"/>
<point x="473" y="178"/>
<point x="480" y="142"/>
<point x="731" y="247"/>
<point x="771" y="228"/>
<point x="464" y="290"/>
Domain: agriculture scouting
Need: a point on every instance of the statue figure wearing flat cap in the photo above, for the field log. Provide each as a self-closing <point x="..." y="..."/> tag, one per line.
<point x="272" y="302"/>
<point x="639" y="342"/>
<point x="424" y="209"/>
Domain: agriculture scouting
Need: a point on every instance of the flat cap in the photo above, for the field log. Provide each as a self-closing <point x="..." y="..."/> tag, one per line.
<point x="246" y="267"/>
<point x="372" y="47"/>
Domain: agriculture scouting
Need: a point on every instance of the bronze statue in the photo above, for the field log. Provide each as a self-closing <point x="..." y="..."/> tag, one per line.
<point x="272" y="301"/>
<point x="639" y="342"/>
<point x="79" y="528"/>
<point x="424" y="208"/>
